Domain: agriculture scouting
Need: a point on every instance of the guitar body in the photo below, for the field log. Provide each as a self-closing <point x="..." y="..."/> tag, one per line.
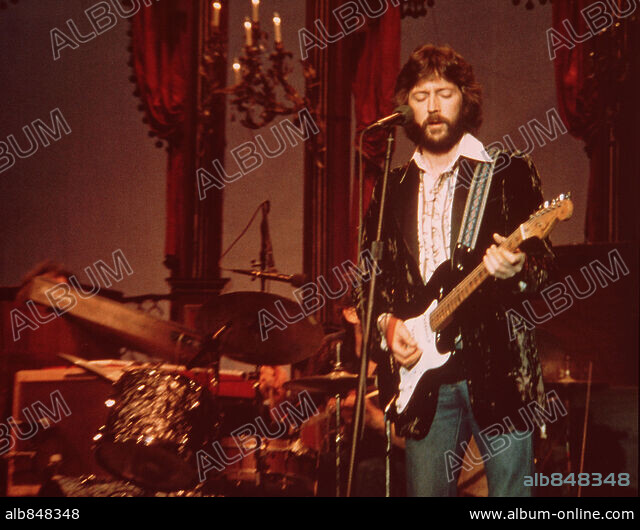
<point x="416" y="418"/>
<point x="417" y="387"/>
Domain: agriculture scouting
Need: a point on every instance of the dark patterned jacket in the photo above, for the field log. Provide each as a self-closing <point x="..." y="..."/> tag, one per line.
<point x="503" y="375"/>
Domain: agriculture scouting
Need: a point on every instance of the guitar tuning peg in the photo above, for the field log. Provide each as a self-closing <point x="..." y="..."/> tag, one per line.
<point x="568" y="195"/>
<point x="546" y="204"/>
<point x="561" y="197"/>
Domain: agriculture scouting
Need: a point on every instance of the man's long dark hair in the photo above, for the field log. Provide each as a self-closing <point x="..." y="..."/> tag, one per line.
<point x="442" y="61"/>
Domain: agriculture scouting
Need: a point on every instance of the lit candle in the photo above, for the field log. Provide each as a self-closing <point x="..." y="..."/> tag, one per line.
<point x="256" y="9"/>
<point x="217" y="6"/>
<point x="247" y="30"/>
<point x="236" y="71"/>
<point x="277" y="26"/>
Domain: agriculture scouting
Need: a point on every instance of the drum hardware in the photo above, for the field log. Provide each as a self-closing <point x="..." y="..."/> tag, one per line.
<point x="210" y="349"/>
<point x="335" y="382"/>
<point x="388" y="446"/>
<point x="156" y="423"/>
<point x="286" y="467"/>
<point x="246" y="341"/>
<point x="157" y="420"/>
<point x="338" y="367"/>
<point x="569" y="390"/>
<point x="173" y="342"/>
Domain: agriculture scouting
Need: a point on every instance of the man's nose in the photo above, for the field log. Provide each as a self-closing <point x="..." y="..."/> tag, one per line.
<point x="433" y="105"/>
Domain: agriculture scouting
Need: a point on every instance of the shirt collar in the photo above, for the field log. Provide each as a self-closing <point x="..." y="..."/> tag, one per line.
<point x="468" y="146"/>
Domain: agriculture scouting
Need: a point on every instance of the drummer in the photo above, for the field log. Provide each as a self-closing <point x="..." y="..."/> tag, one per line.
<point x="369" y="479"/>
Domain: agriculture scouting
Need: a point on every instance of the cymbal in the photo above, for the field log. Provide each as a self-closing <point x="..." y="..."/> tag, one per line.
<point x="336" y="382"/>
<point x="570" y="381"/>
<point x="252" y="317"/>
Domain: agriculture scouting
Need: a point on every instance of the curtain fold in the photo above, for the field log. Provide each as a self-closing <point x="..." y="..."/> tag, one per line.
<point x="373" y="87"/>
<point x="162" y="49"/>
<point x="569" y="65"/>
<point x="597" y="99"/>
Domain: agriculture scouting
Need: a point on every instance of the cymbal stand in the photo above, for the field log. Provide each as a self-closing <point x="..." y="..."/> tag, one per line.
<point x="210" y="350"/>
<point x="337" y="367"/>
<point x="388" y="448"/>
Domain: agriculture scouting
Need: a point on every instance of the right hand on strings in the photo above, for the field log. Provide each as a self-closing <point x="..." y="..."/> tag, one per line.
<point x="399" y="339"/>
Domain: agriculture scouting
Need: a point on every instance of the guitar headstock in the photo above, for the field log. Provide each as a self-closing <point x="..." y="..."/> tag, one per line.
<point x="542" y="222"/>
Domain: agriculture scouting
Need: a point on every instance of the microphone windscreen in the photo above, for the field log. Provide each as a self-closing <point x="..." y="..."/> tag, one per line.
<point x="407" y="113"/>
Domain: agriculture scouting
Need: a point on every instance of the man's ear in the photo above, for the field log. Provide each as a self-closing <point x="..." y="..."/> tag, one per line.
<point x="350" y="315"/>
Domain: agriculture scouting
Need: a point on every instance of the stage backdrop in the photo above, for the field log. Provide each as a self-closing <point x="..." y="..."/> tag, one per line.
<point x="101" y="187"/>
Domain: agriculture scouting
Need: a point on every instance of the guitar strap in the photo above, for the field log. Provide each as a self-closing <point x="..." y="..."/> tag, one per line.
<point x="476" y="202"/>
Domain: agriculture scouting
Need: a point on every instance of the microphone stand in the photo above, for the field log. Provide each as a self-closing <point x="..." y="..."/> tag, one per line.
<point x="266" y="248"/>
<point x="388" y="447"/>
<point x="377" y="248"/>
<point x="338" y="439"/>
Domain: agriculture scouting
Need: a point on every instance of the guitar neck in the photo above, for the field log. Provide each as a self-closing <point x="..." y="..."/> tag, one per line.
<point x="452" y="301"/>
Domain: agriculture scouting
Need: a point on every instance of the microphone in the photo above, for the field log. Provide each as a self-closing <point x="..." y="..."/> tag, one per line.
<point x="402" y="115"/>
<point x="266" y="249"/>
<point x="296" y="280"/>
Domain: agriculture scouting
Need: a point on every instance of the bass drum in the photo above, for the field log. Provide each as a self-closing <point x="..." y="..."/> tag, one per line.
<point x="157" y="422"/>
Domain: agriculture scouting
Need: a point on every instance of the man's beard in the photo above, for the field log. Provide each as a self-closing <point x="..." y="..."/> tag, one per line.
<point x="420" y="136"/>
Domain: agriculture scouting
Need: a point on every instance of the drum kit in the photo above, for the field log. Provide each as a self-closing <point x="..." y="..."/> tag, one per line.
<point x="161" y="417"/>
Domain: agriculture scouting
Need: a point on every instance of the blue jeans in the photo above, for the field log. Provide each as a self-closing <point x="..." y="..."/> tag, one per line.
<point x="434" y="463"/>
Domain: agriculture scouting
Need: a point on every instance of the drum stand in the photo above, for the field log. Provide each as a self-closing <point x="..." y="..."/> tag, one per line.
<point x="338" y="366"/>
<point x="210" y="350"/>
<point x="388" y="448"/>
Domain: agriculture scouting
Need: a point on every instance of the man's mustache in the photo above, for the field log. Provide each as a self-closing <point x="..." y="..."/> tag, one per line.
<point x="434" y="119"/>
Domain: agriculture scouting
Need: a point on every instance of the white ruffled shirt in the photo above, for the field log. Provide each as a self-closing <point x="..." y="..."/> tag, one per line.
<point x="434" y="221"/>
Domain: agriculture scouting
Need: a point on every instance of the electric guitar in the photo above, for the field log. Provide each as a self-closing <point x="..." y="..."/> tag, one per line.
<point x="417" y="386"/>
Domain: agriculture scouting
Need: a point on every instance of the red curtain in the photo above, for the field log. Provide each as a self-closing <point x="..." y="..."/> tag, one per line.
<point x="373" y="89"/>
<point x="596" y="98"/>
<point x="569" y="64"/>
<point x="570" y="84"/>
<point x="162" y="55"/>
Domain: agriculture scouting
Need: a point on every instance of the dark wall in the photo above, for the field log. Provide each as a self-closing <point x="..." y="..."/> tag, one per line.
<point x="96" y="190"/>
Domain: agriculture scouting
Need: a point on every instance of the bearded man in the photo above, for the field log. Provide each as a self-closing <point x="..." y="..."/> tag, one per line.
<point x="491" y="373"/>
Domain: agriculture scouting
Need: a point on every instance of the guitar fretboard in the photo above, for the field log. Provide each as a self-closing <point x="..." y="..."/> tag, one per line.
<point x="448" y="305"/>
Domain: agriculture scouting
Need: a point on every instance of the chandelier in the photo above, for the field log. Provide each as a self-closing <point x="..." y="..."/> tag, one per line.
<point x="261" y="91"/>
<point x="415" y="8"/>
